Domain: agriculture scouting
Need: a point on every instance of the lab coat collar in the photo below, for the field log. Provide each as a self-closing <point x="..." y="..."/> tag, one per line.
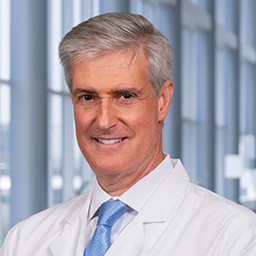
<point x="139" y="236"/>
<point x="167" y="194"/>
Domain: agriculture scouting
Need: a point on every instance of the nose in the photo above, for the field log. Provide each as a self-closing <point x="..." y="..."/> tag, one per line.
<point x="107" y="115"/>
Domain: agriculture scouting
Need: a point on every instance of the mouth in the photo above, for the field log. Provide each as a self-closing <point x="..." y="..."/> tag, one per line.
<point x="112" y="141"/>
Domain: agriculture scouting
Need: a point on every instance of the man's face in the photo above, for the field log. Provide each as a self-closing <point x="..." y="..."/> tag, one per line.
<point x="118" y="122"/>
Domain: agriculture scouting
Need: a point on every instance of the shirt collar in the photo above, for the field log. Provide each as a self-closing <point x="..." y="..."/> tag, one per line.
<point x="135" y="196"/>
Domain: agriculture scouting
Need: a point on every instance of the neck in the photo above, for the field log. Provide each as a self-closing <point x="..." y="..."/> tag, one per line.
<point x="117" y="184"/>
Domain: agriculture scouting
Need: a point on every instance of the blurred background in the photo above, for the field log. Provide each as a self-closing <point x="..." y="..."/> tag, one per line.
<point x="211" y="124"/>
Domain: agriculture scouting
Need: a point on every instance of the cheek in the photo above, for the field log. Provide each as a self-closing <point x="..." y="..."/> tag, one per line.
<point x="82" y="120"/>
<point x="78" y="121"/>
<point x="144" y="117"/>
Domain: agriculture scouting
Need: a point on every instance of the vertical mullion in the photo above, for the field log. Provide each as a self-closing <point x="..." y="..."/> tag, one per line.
<point x="55" y="85"/>
<point x="169" y="23"/>
<point x="68" y="191"/>
<point x="5" y="40"/>
<point x="77" y="12"/>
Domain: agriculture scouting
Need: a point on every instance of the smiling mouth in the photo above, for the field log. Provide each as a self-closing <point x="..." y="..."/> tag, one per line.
<point x="113" y="141"/>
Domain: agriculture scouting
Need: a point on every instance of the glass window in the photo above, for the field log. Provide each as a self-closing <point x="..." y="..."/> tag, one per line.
<point x="5" y="117"/>
<point x="226" y="118"/>
<point x="68" y="172"/>
<point x="248" y="20"/>
<point x="247" y="99"/>
<point x="203" y="4"/>
<point x="220" y="121"/>
<point x="227" y="14"/>
<point x="190" y="101"/>
<point x="205" y="63"/>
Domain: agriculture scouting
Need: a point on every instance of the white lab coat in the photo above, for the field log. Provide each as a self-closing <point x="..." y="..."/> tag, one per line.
<point x="179" y="219"/>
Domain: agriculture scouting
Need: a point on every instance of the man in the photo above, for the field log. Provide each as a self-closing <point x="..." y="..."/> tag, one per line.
<point x="119" y="68"/>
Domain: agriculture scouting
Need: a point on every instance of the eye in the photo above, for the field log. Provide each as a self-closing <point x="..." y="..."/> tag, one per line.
<point x="86" y="97"/>
<point x="127" y="96"/>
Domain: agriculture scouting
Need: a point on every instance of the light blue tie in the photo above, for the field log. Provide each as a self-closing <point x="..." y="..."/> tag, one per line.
<point x="109" y="213"/>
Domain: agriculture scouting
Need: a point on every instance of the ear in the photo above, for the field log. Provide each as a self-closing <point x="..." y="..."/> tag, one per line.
<point x="164" y="99"/>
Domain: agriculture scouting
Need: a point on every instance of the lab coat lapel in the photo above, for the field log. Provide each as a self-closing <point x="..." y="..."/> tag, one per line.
<point x="150" y="223"/>
<point x="161" y="209"/>
<point x="63" y="245"/>
<point x="161" y="203"/>
<point x="67" y="242"/>
<point x="130" y="241"/>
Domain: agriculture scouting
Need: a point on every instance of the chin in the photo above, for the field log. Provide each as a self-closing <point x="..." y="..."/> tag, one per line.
<point x="108" y="168"/>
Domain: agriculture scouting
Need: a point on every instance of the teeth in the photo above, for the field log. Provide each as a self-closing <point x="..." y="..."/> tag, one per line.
<point x="109" y="141"/>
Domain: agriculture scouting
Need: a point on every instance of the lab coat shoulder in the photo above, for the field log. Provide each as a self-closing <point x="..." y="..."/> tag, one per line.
<point x="208" y="224"/>
<point x="181" y="218"/>
<point x="37" y="232"/>
<point x="213" y="205"/>
<point x="228" y="215"/>
<point x="232" y="225"/>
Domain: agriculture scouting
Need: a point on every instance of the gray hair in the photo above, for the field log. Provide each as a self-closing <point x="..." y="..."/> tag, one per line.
<point x="113" y="32"/>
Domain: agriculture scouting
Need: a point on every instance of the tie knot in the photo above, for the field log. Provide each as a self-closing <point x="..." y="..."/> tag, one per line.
<point x="111" y="211"/>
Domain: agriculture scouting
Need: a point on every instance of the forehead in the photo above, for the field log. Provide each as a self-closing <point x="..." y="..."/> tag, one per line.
<point x="112" y="68"/>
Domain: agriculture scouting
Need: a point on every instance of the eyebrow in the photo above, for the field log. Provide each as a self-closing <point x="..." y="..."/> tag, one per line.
<point x="81" y="90"/>
<point x="114" y="91"/>
<point x="125" y="90"/>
